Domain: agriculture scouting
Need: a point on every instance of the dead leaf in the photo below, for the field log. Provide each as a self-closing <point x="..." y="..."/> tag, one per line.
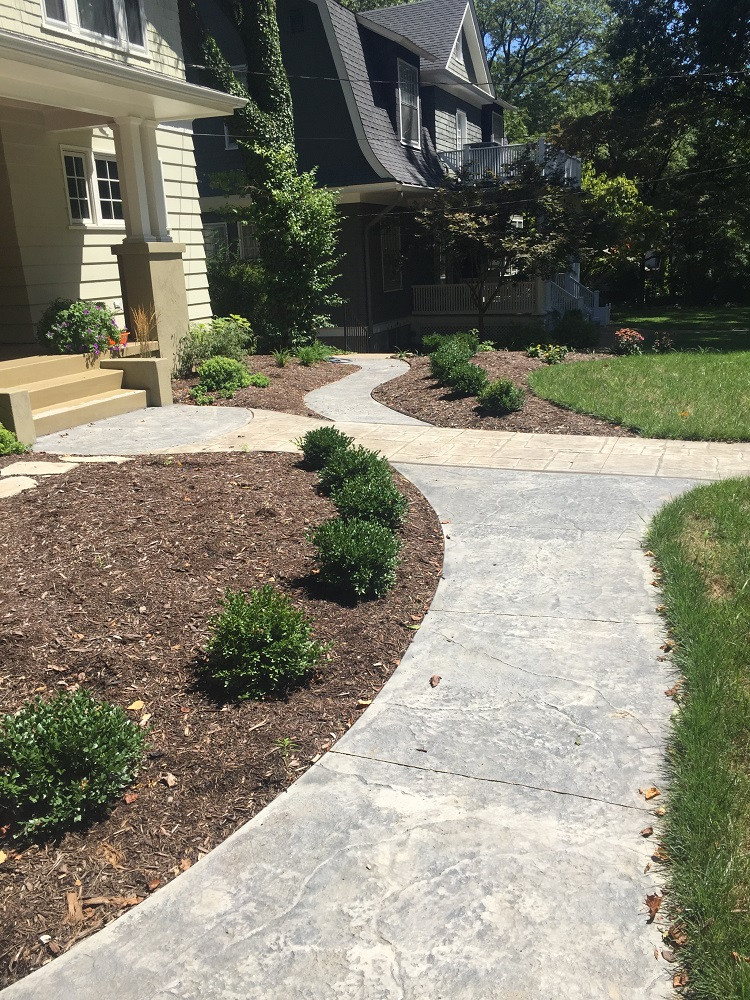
<point x="111" y="855"/>
<point x="653" y="902"/>
<point x="130" y="797"/>
<point x="3" y="857"/>
<point x="649" y="793"/>
<point x="660" y="855"/>
<point x="667" y="647"/>
<point x="75" y="910"/>
<point x="169" y="779"/>
<point x="185" y="864"/>
<point x="647" y="831"/>
<point x="648" y="553"/>
<point x="136" y="706"/>
<point x="668" y="955"/>
<point x="677" y="935"/>
<point x="680" y="979"/>
<point x="671" y="692"/>
<point x="364" y="702"/>
<point x="739" y="958"/>
<point x="153" y="884"/>
<point x="435" y="680"/>
<point x="144" y="718"/>
<point x="661" y="811"/>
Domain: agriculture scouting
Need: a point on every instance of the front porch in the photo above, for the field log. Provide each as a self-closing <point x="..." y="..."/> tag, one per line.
<point x="491" y="161"/>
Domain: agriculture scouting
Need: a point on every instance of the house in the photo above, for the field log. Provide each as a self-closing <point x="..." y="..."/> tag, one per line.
<point x="98" y="197"/>
<point x="385" y="103"/>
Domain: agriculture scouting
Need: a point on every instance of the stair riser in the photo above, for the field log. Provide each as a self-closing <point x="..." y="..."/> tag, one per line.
<point x="62" y="420"/>
<point x="80" y="388"/>
<point x="28" y="371"/>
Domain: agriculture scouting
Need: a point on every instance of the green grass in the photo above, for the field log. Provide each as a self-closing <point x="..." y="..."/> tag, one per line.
<point x="699" y="397"/>
<point x="723" y="328"/>
<point x="701" y="546"/>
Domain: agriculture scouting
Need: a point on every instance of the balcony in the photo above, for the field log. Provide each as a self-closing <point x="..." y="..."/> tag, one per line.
<point x="492" y="162"/>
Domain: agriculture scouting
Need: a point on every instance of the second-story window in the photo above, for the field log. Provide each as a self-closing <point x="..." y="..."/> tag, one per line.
<point x="462" y="129"/>
<point x="116" y="22"/>
<point x="408" y="103"/>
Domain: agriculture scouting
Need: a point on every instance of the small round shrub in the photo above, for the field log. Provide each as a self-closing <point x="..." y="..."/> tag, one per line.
<point x="551" y="354"/>
<point x="467" y="379"/>
<point x="9" y="443"/>
<point x="223" y="376"/>
<point x="431" y="341"/>
<point x="260" y="644"/>
<point x="371" y="500"/>
<point x="77" y="328"/>
<point x="318" y="445"/>
<point x="451" y="353"/>
<point x="357" y="558"/>
<point x="259" y="380"/>
<point x="63" y="761"/>
<point x="310" y="354"/>
<point x="223" y="337"/>
<point x="347" y="463"/>
<point x="501" y="397"/>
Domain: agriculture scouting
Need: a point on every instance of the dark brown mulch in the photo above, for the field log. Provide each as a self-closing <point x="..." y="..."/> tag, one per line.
<point x="287" y="390"/>
<point x="108" y="576"/>
<point x="418" y="394"/>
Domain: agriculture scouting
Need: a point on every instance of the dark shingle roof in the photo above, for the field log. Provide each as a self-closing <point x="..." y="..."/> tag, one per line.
<point x="433" y="24"/>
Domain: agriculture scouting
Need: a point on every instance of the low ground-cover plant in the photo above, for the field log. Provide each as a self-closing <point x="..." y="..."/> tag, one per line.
<point x="346" y="463"/>
<point x="501" y="397"/>
<point x="260" y="644"/>
<point x="466" y="379"/>
<point x="9" y="443"/>
<point x="700" y="544"/>
<point x="223" y="376"/>
<point x="259" y="380"/>
<point x="371" y="499"/>
<point x="63" y="761"/>
<point x="628" y="341"/>
<point x="318" y="445"/>
<point x="311" y="354"/>
<point x="80" y="327"/>
<point x="551" y="354"/>
<point x="662" y="342"/>
<point x="224" y="337"/>
<point x="356" y="558"/>
<point x="281" y="357"/>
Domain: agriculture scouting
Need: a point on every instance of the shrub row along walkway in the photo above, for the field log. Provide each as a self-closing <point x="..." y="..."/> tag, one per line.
<point x="477" y="833"/>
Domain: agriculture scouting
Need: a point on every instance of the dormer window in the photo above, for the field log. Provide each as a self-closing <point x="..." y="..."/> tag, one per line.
<point x="113" y="22"/>
<point x="408" y="104"/>
<point x="458" y="49"/>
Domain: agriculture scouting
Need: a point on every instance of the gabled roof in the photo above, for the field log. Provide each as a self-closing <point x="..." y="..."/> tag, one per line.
<point x="432" y="24"/>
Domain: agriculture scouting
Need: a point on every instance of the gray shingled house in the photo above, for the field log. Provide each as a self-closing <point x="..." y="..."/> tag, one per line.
<point x="385" y="102"/>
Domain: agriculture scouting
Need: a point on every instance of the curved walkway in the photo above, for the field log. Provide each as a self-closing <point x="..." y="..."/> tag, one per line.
<point x="349" y="399"/>
<point x="479" y="839"/>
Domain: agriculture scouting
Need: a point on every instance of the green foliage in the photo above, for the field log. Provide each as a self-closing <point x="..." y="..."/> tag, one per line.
<point x="484" y="346"/>
<point x="281" y="357"/>
<point x="431" y="341"/>
<point x="224" y="337"/>
<point x="259" y="380"/>
<point x="501" y="397"/>
<point x="9" y="443"/>
<point x="628" y="341"/>
<point x="200" y="397"/>
<point x="574" y="328"/>
<point x="356" y="558"/>
<point x="311" y="354"/>
<point x="237" y="286"/>
<point x="346" y="463"/>
<point x="79" y="327"/>
<point x="371" y="499"/>
<point x="551" y="354"/>
<point x="466" y="379"/>
<point x="318" y="445"/>
<point x="451" y="353"/>
<point x="64" y="761"/>
<point x="224" y="376"/>
<point x="260" y="644"/>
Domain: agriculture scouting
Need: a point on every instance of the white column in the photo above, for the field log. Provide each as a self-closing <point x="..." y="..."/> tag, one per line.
<point x="130" y="162"/>
<point x="157" y="202"/>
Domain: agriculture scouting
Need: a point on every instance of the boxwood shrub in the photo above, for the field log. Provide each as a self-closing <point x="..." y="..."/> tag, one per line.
<point x="318" y="445"/>
<point x="224" y="376"/>
<point x="466" y="379"/>
<point x="356" y="558"/>
<point x="501" y="396"/>
<point x="344" y="464"/>
<point x="371" y="499"/>
<point x="451" y="353"/>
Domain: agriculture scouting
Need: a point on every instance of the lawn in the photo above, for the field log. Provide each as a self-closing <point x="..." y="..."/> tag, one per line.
<point x="722" y="328"/>
<point x="700" y="545"/>
<point x="694" y="396"/>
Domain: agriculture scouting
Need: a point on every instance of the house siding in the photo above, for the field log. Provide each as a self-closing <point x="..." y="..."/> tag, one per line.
<point x="445" y="107"/>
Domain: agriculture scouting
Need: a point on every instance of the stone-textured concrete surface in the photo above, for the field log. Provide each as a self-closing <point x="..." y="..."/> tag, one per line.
<point x="350" y="399"/>
<point x="476" y="840"/>
<point x="168" y="428"/>
<point x="37" y="469"/>
<point x="14" y="485"/>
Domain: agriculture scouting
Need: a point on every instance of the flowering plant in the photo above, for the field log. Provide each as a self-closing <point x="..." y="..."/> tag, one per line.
<point x="78" y="328"/>
<point x="628" y="341"/>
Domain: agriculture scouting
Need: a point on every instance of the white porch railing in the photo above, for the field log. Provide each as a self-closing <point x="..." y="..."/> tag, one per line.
<point x="517" y="298"/>
<point x="576" y="289"/>
<point x="500" y="162"/>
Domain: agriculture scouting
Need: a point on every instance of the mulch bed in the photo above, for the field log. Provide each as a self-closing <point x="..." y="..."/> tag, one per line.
<point x="108" y="577"/>
<point x="418" y="394"/>
<point x="287" y="390"/>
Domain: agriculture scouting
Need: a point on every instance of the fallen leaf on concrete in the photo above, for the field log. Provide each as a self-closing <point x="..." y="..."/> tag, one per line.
<point x="671" y="692"/>
<point x="661" y="811"/>
<point x="653" y="902"/>
<point x="660" y="855"/>
<point x="649" y="793"/>
<point x="136" y="706"/>
<point x="680" y="979"/>
<point x="435" y="680"/>
<point x="647" y="831"/>
<point x="648" y="553"/>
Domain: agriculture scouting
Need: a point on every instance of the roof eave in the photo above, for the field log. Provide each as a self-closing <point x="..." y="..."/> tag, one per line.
<point x="394" y="36"/>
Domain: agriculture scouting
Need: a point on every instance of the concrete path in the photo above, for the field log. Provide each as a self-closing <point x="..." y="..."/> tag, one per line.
<point x="349" y="399"/>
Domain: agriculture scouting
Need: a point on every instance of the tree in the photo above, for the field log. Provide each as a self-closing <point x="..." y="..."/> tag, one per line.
<point x="495" y="232"/>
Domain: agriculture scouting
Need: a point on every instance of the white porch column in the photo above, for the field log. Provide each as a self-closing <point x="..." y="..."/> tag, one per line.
<point x="130" y="160"/>
<point x="157" y="202"/>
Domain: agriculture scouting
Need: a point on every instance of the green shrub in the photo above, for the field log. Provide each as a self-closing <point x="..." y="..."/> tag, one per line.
<point x="259" y="380"/>
<point x="445" y="358"/>
<point x="63" y="761"/>
<point x="200" y="397"/>
<point x="260" y="644"/>
<point x="432" y="341"/>
<point x="237" y="286"/>
<point x="575" y="329"/>
<point x="356" y="558"/>
<point x="485" y="345"/>
<point x="224" y="376"/>
<point x="281" y="357"/>
<point x="9" y="443"/>
<point x="318" y="445"/>
<point x="310" y="354"/>
<point x="501" y="397"/>
<point x="344" y="464"/>
<point x="370" y="499"/>
<point x="466" y="379"/>
<point x="224" y="337"/>
<point x="77" y="328"/>
<point x="552" y="354"/>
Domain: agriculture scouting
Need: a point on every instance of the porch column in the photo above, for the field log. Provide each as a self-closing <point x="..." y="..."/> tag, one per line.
<point x="130" y="162"/>
<point x="157" y="202"/>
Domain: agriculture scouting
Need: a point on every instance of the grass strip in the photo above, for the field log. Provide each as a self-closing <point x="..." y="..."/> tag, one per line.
<point x="701" y="543"/>
<point x="698" y="397"/>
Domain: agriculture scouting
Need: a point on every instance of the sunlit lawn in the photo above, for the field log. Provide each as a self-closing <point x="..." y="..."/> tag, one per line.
<point x="721" y="328"/>
<point x="696" y="396"/>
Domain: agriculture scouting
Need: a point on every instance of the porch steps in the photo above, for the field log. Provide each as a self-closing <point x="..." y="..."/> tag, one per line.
<point x="49" y="419"/>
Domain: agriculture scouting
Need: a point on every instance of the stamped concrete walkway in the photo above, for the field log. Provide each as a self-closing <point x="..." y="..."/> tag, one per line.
<point x="479" y="839"/>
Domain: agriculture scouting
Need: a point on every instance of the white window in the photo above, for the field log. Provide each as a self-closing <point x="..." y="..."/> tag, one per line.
<point x="229" y="141"/>
<point x="390" y="254"/>
<point x="118" y="23"/>
<point x="498" y="129"/>
<point x="215" y="238"/>
<point x="461" y="129"/>
<point x="458" y="49"/>
<point x="92" y="183"/>
<point x="408" y="104"/>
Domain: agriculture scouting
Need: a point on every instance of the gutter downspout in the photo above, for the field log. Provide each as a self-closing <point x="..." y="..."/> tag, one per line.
<point x="368" y="286"/>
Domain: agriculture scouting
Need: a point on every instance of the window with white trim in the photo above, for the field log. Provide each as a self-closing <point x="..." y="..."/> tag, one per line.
<point x="390" y="254"/>
<point x="462" y="129"/>
<point x="114" y="22"/>
<point x="498" y="127"/>
<point x="408" y="104"/>
<point x="92" y="183"/>
<point x="215" y="238"/>
<point x="229" y="140"/>
<point x="458" y="49"/>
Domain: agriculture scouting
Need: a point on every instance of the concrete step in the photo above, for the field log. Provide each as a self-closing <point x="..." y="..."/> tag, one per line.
<point x="49" y="419"/>
<point x="38" y="368"/>
<point x="79" y="385"/>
